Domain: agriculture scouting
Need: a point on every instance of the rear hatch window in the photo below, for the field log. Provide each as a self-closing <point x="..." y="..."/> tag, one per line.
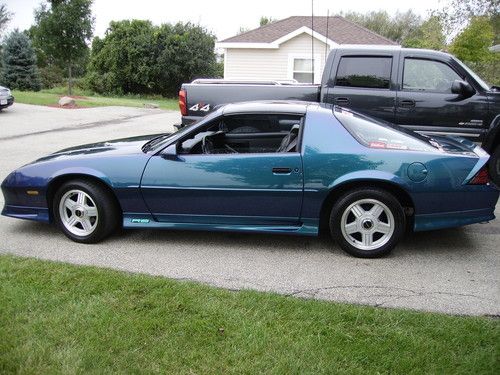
<point x="382" y="135"/>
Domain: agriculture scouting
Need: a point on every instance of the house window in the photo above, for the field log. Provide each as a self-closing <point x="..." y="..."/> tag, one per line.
<point x="303" y="70"/>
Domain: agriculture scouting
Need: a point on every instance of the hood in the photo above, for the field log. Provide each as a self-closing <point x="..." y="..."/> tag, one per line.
<point x="122" y="146"/>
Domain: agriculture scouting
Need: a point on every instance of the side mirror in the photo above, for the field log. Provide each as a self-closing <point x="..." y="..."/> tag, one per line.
<point x="462" y="88"/>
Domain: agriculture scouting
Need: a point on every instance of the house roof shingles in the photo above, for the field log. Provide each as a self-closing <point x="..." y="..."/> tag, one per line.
<point x="340" y="31"/>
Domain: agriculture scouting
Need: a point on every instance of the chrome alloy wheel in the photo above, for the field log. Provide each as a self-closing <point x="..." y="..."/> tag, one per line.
<point x="367" y="224"/>
<point x="78" y="212"/>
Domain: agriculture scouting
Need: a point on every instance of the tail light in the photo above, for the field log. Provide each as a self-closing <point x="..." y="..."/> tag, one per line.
<point x="481" y="177"/>
<point x="182" y="102"/>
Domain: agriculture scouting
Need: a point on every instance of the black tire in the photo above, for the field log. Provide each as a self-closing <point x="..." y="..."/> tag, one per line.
<point x="102" y="224"/>
<point x="361" y="201"/>
<point x="494" y="166"/>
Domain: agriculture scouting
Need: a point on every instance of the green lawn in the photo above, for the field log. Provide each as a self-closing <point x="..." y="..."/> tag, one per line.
<point x="51" y="97"/>
<point x="57" y="318"/>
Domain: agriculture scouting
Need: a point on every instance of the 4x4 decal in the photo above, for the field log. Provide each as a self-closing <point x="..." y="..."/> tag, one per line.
<point x="200" y="107"/>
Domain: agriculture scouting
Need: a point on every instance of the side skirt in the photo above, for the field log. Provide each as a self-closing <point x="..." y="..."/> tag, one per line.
<point x="305" y="228"/>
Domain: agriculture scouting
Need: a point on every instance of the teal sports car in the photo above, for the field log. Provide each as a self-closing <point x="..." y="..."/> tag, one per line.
<point x="271" y="167"/>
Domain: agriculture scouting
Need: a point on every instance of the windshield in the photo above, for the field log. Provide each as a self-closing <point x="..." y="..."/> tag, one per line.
<point x="478" y="79"/>
<point x="158" y="142"/>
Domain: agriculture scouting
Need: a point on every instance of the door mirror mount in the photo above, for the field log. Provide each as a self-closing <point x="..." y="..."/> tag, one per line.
<point x="462" y="88"/>
<point x="170" y="152"/>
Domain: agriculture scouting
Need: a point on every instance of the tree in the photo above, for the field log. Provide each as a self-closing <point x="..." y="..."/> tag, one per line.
<point x="188" y="52"/>
<point x="457" y="13"/>
<point x="138" y="57"/>
<point x="242" y="30"/>
<point x="5" y="17"/>
<point x="397" y="28"/>
<point x="266" y="20"/>
<point x="473" y="42"/>
<point x="123" y="61"/>
<point x="471" y="46"/>
<point x="428" y="35"/>
<point x="63" y="32"/>
<point x="19" y="61"/>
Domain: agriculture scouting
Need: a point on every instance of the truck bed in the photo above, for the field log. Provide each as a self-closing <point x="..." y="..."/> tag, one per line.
<point x="203" y="97"/>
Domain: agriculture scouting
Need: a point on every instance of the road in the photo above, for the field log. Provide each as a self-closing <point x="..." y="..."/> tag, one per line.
<point x="451" y="271"/>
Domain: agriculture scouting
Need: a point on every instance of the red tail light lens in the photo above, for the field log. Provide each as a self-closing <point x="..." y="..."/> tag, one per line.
<point x="481" y="177"/>
<point x="182" y="102"/>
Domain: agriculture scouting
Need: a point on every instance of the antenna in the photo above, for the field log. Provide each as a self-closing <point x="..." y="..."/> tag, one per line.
<point x="312" y="39"/>
<point x="326" y="37"/>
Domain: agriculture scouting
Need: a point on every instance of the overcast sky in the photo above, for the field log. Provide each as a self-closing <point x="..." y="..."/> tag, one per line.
<point x="223" y="17"/>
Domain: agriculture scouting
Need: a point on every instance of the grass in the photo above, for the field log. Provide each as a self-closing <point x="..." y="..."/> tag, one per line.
<point x="52" y="96"/>
<point x="57" y="318"/>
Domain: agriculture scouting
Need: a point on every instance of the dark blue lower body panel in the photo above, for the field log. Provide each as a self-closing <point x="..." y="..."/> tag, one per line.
<point x="27" y="213"/>
<point x="452" y="219"/>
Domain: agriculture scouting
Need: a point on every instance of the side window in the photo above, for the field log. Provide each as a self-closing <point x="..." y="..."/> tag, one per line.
<point x="428" y="75"/>
<point x="364" y="71"/>
<point x="248" y="133"/>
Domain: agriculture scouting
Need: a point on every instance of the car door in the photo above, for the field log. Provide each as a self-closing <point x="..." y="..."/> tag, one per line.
<point x="256" y="187"/>
<point x="363" y="82"/>
<point x="426" y="103"/>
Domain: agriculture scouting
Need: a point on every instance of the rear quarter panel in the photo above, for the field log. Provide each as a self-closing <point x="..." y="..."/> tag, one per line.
<point x="332" y="157"/>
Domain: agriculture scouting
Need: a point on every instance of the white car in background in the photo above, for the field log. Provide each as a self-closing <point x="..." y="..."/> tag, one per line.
<point x="6" y="98"/>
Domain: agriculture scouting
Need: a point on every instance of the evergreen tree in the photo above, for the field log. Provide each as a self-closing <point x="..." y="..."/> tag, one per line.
<point x="19" y="63"/>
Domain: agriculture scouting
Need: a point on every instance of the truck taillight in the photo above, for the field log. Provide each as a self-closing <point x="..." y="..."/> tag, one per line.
<point x="182" y="102"/>
<point x="481" y="177"/>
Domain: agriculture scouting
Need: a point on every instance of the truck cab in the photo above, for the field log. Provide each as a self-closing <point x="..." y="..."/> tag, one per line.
<point x="426" y="91"/>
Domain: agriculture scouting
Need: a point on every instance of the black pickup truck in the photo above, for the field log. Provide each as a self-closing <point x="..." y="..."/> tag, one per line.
<point x="427" y="91"/>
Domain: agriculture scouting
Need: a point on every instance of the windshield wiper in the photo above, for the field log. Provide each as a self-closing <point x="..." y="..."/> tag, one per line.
<point x="153" y="142"/>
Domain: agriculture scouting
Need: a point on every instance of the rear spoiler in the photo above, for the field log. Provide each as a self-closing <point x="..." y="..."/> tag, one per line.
<point x="467" y="146"/>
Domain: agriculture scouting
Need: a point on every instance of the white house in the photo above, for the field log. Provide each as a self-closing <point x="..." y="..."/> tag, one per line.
<point x="283" y="50"/>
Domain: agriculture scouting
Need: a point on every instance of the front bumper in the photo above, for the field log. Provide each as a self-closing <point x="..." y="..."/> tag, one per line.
<point x="27" y="213"/>
<point x="6" y="102"/>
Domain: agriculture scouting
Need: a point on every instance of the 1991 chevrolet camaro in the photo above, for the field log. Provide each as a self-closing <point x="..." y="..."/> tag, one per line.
<point x="280" y="167"/>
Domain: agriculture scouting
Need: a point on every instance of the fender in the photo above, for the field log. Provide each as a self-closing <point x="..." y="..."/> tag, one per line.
<point x="367" y="175"/>
<point x="81" y="171"/>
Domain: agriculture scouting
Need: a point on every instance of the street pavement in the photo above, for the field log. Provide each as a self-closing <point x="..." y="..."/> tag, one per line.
<point x="452" y="271"/>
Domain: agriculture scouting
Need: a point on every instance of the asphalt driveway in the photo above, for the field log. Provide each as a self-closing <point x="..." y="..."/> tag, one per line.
<point x="453" y="271"/>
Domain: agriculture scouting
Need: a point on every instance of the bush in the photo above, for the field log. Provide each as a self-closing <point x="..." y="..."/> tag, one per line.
<point x="51" y="76"/>
<point x="140" y="58"/>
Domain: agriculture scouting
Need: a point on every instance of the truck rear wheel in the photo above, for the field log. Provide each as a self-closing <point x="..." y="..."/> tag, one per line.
<point x="494" y="166"/>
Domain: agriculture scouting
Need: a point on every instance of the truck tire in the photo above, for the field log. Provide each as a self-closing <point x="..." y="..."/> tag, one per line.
<point x="494" y="166"/>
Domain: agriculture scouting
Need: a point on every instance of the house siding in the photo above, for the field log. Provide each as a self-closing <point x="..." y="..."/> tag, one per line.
<point x="272" y="64"/>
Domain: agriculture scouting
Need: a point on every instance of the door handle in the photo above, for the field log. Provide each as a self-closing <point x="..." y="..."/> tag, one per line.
<point x="282" y="170"/>
<point x="342" y="101"/>
<point x="407" y="103"/>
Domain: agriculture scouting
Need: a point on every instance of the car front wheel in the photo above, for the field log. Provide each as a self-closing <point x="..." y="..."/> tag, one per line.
<point x="367" y="223"/>
<point x="84" y="211"/>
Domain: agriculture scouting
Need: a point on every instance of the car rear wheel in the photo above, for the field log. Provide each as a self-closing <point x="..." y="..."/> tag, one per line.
<point x="367" y="223"/>
<point x="85" y="211"/>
